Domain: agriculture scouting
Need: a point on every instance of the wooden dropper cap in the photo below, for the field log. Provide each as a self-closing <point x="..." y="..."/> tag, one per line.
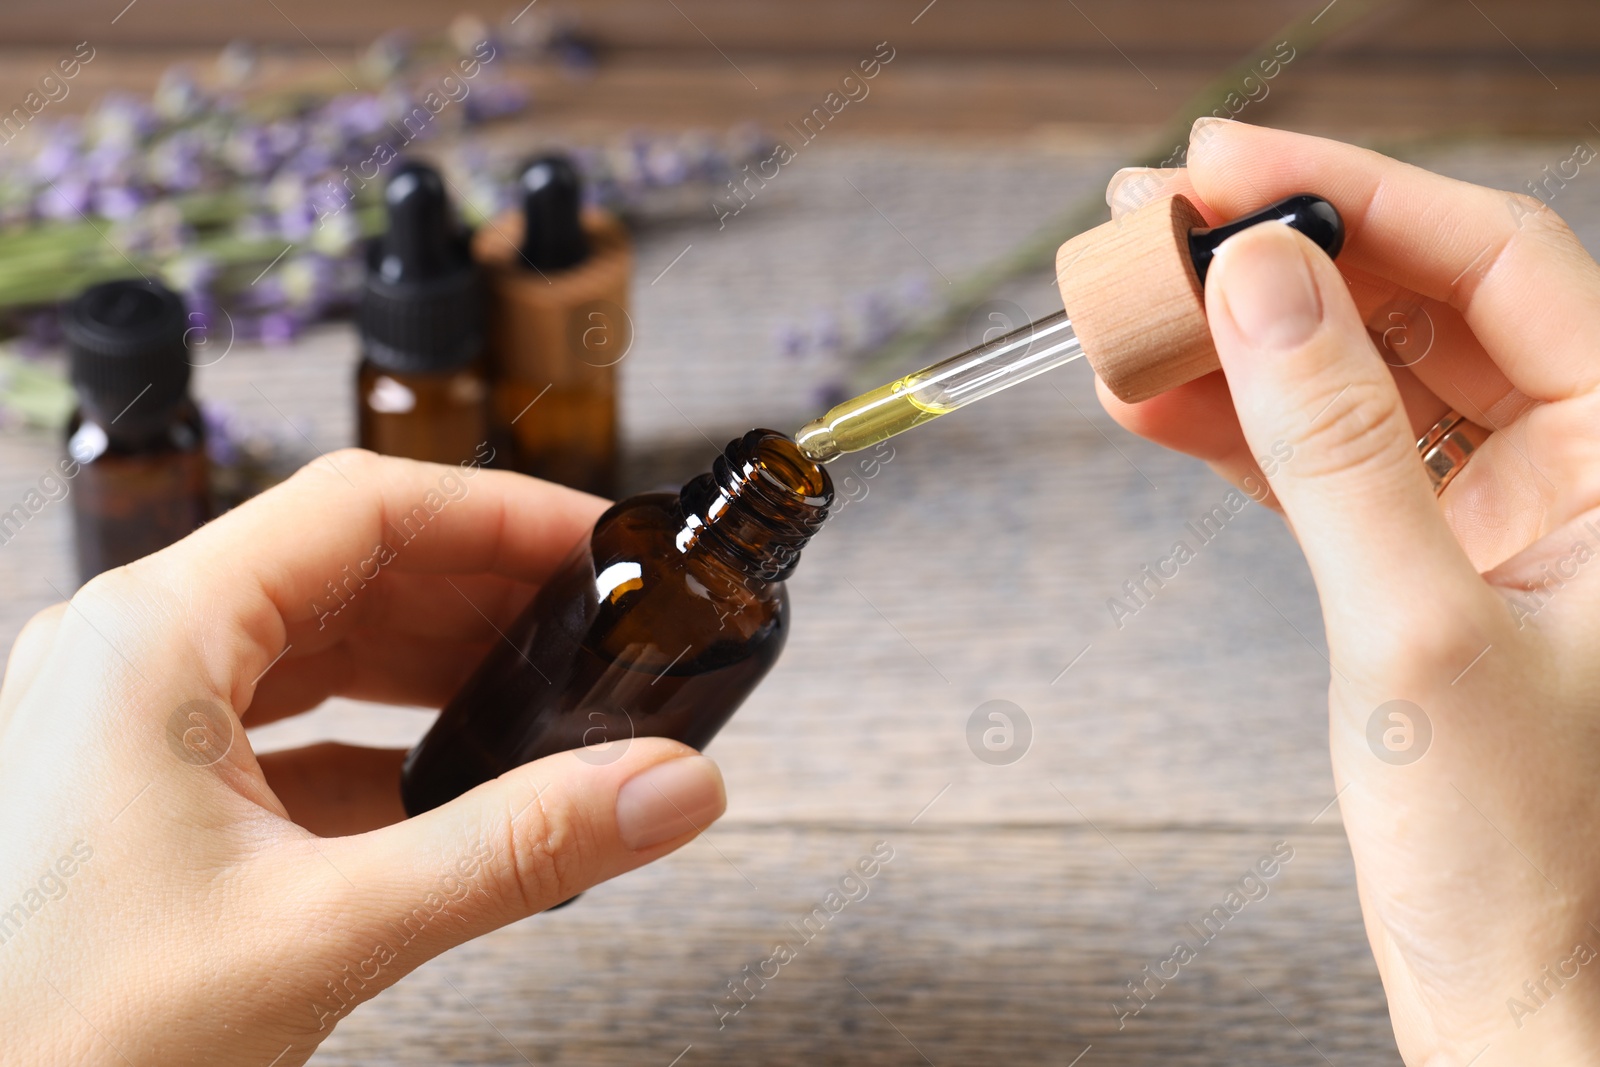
<point x="1134" y="288"/>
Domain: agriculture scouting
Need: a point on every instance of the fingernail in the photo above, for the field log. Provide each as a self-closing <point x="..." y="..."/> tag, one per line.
<point x="1131" y="188"/>
<point x="669" y="800"/>
<point x="1267" y="287"/>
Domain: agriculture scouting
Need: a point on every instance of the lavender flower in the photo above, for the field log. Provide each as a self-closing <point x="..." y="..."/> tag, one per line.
<point x="62" y="151"/>
<point x="109" y="161"/>
<point x="157" y="230"/>
<point x="337" y="232"/>
<point x="387" y="56"/>
<point x="191" y="274"/>
<point x="358" y="116"/>
<point x="279" y="328"/>
<point x="255" y="226"/>
<point x="176" y="161"/>
<point x="124" y="118"/>
<point x="703" y="157"/>
<point x="220" y="421"/>
<point x="830" y="392"/>
<point x="879" y="319"/>
<point x="495" y="98"/>
<point x="664" y="164"/>
<point x="308" y="282"/>
<point x="826" y="332"/>
<point x="65" y="199"/>
<point x="311" y="159"/>
<point x="290" y="198"/>
<point x="249" y="150"/>
<point x="178" y="96"/>
<point x="117" y="201"/>
<point x="829" y="347"/>
<point x="793" y="343"/>
<point x="40" y="333"/>
<point x="575" y="52"/>
<point x="236" y="64"/>
<point x="284" y="137"/>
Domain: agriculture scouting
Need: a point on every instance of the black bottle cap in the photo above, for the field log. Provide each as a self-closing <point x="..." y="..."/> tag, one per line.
<point x="552" y="205"/>
<point x="422" y="308"/>
<point x="125" y="340"/>
<point x="1311" y="215"/>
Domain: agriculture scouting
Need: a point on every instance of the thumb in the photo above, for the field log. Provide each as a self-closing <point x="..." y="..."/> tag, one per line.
<point x="532" y="838"/>
<point x="1309" y="385"/>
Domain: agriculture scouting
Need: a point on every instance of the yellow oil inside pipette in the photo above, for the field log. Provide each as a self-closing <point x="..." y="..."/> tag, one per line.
<point x="863" y="421"/>
<point x="923" y="396"/>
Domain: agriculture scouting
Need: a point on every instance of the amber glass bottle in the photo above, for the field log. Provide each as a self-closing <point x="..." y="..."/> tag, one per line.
<point x="136" y="443"/>
<point x="659" y="624"/>
<point x="557" y="275"/>
<point x="422" y="390"/>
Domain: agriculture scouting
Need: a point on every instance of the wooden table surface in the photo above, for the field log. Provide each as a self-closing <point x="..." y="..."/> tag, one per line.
<point x="1166" y="757"/>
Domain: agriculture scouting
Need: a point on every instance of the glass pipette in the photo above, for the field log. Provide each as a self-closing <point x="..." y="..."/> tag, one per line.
<point x="1023" y="353"/>
<point x="942" y="388"/>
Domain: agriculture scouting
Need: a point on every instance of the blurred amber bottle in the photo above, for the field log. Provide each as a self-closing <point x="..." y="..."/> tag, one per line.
<point x="136" y="443"/>
<point x="557" y="275"/>
<point x="422" y="390"/>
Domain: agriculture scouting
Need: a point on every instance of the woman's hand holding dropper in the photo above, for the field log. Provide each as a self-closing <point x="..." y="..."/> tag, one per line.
<point x="1476" y="861"/>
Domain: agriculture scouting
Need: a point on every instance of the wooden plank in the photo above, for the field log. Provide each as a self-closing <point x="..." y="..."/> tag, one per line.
<point x="1220" y="28"/>
<point x="975" y="946"/>
<point x="973" y="97"/>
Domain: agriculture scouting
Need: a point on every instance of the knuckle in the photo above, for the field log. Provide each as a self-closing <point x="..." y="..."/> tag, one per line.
<point x="1539" y="218"/>
<point x="1541" y="225"/>
<point x="1552" y="237"/>
<point x="41" y="625"/>
<point x="33" y="640"/>
<point x="1525" y="207"/>
<point x="1427" y="655"/>
<point x="342" y="465"/>
<point x="544" y="859"/>
<point x="1355" y="428"/>
<point x="107" y="597"/>
<point x="115" y="608"/>
<point x="348" y="460"/>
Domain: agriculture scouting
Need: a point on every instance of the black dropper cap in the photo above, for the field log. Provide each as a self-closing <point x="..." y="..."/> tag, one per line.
<point x="422" y="308"/>
<point x="125" y="341"/>
<point x="552" y="203"/>
<point x="1310" y="214"/>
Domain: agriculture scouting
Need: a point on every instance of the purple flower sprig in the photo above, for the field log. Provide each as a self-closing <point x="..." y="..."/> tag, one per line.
<point x="828" y="347"/>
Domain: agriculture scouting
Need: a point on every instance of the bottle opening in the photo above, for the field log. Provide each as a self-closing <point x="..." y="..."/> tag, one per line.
<point x="761" y="501"/>
<point x="783" y="466"/>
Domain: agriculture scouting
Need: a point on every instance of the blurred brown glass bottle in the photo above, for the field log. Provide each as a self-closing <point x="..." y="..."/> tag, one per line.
<point x="422" y="390"/>
<point x="659" y="624"/>
<point x="139" y="479"/>
<point x="557" y="275"/>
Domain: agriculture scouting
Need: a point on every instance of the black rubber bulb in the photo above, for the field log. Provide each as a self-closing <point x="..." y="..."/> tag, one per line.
<point x="421" y="242"/>
<point x="1311" y="215"/>
<point x="552" y="202"/>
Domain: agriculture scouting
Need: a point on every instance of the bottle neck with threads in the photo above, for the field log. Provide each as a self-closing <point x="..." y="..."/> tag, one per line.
<point x="760" y="504"/>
